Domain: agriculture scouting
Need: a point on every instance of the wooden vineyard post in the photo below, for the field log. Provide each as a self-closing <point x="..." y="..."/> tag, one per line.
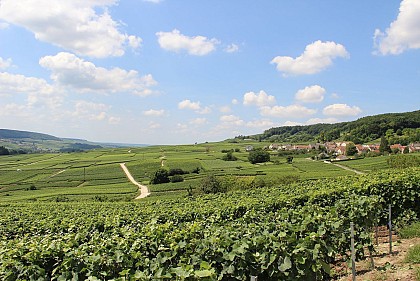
<point x="254" y="278"/>
<point x="390" y="230"/>
<point x="353" y="252"/>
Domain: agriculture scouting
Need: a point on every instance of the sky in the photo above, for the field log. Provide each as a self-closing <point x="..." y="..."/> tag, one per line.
<point x="186" y="71"/>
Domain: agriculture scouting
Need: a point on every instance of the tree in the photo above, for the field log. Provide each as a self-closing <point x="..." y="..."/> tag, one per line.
<point x="160" y="176"/>
<point x="351" y="149"/>
<point x="289" y="159"/>
<point x="229" y="157"/>
<point x="4" y="151"/>
<point x="384" y="146"/>
<point x="258" y="156"/>
<point x="211" y="184"/>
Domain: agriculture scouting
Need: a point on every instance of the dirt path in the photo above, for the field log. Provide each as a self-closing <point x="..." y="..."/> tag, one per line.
<point x="144" y="191"/>
<point x="59" y="172"/>
<point x="345" y="168"/>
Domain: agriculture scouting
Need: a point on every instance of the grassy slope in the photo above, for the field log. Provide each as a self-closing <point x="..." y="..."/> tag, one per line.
<point x="96" y="175"/>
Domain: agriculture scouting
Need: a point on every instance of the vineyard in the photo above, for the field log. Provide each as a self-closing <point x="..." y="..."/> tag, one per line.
<point x="288" y="232"/>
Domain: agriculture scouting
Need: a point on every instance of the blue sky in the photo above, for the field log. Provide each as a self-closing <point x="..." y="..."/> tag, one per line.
<point x="179" y="72"/>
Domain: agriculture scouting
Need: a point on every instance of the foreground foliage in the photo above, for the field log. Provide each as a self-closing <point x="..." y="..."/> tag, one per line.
<point x="292" y="232"/>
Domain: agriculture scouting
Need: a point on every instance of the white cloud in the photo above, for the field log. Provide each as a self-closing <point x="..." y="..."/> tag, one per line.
<point x="260" y="99"/>
<point x="154" y="112"/>
<point x="71" y="71"/>
<point x="232" y="48"/>
<point x="403" y="33"/>
<point x="335" y="96"/>
<point x="316" y="57"/>
<point x="205" y="110"/>
<point x="321" y="120"/>
<point x="153" y="1"/>
<point x="4" y="25"/>
<point x="90" y="110"/>
<point x="187" y="104"/>
<point x="225" y="109"/>
<point x="341" y="110"/>
<point x="5" y="63"/>
<point x="175" y="41"/>
<point x="72" y="25"/>
<point x="291" y="123"/>
<point x="199" y="121"/>
<point x="235" y="101"/>
<point x="264" y="123"/>
<point x="291" y="111"/>
<point x="313" y="94"/>
<point x="230" y="121"/>
<point x="154" y="125"/>
<point x="181" y="127"/>
<point x="114" y="120"/>
<point x="39" y="92"/>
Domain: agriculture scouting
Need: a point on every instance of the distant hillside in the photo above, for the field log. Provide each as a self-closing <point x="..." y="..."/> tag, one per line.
<point x="13" y="134"/>
<point x="398" y="127"/>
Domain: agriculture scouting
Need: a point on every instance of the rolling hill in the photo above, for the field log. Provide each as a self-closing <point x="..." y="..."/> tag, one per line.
<point x="398" y="127"/>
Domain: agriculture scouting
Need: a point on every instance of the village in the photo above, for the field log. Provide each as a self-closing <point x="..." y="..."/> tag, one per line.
<point x="341" y="150"/>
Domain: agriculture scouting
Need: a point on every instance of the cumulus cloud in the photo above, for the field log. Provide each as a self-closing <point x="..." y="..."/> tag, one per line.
<point x="196" y="106"/>
<point x="153" y="1"/>
<point x="316" y="57"/>
<point x="198" y="121"/>
<point x="71" y="71"/>
<point x="38" y="91"/>
<point x="232" y="48"/>
<point x="235" y="101"/>
<point x="4" y="25"/>
<point x="90" y="110"/>
<point x="187" y="104"/>
<point x="341" y="110"/>
<point x="73" y="25"/>
<point x="154" y="112"/>
<point x="225" y="109"/>
<point x="295" y="111"/>
<point x="292" y="123"/>
<point x="231" y="120"/>
<point x="403" y="33"/>
<point x="5" y="63"/>
<point x="176" y="42"/>
<point x="114" y="120"/>
<point x="258" y="99"/>
<point x="154" y="125"/>
<point x="321" y="120"/>
<point x="263" y="123"/>
<point x="311" y="94"/>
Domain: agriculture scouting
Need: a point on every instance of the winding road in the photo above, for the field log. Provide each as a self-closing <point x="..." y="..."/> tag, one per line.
<point x="144" y="191"/>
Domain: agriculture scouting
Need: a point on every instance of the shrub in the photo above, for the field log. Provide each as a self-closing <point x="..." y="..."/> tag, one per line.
<point x="160" y="176"/>
<point x="177" y="178"/>
<point x="258" y="156"/>
<point x="177" y="171"/>
<point x="211" y="184"/>
<point x="196" y="170"/>
<point x="229" y="157"/>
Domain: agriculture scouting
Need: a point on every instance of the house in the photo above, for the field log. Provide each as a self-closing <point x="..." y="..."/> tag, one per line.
<point x="287" y="147"/>
<point x="341" y="158"/>
<point x="301" y="147"/>
<point x="249" y="148"/>
<point x="362" y="148"/>
<point x="273" y="146"/>
<point x="414" y="147"/>
<point x="314" y="146"/>
<point x="397" y="146"/>
<point x="330" y="146"/>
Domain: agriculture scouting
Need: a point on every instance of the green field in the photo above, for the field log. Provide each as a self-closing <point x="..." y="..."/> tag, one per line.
<point x="97" y="174"/>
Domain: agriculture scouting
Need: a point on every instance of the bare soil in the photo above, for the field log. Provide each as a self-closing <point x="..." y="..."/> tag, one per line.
<point x="387" y="267"/>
